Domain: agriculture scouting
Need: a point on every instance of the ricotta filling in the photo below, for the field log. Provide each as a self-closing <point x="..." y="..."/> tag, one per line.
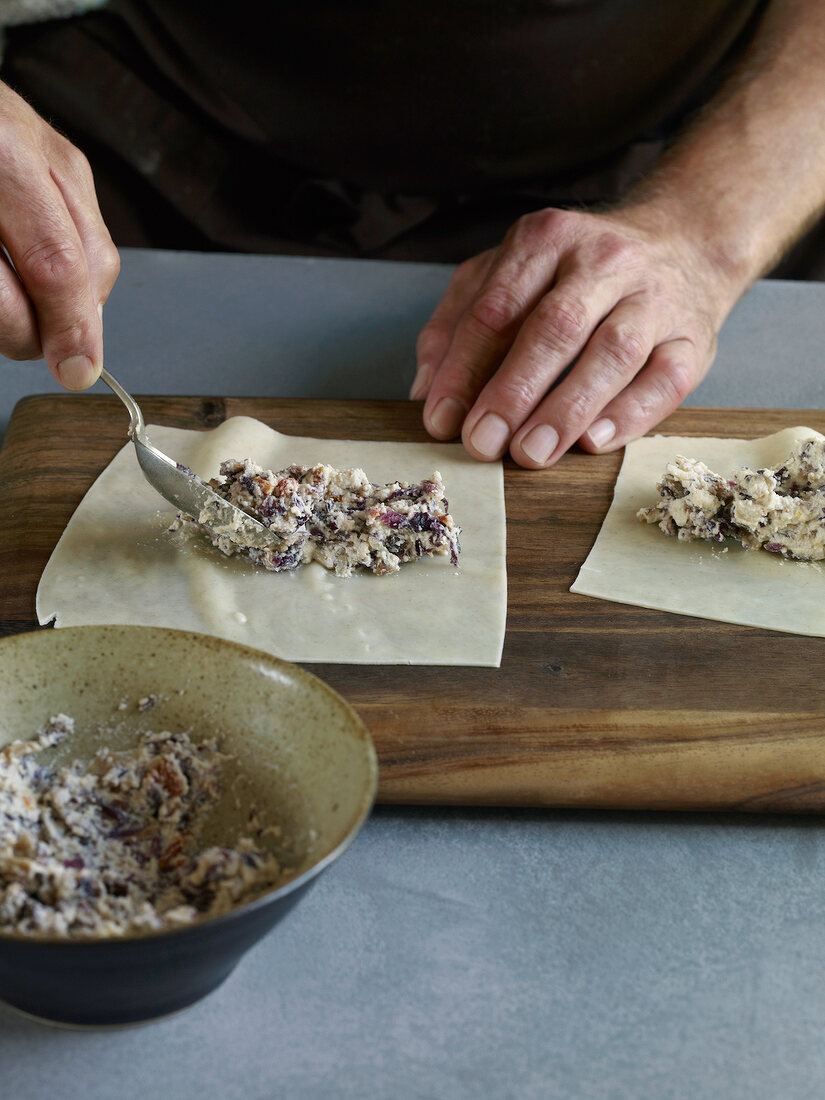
<point x="335" y="517"/>
<point x="780" y="510"/>
<point x="112" y="847"/>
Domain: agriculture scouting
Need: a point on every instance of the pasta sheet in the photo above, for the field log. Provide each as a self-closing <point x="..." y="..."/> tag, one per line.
<point x="634" y="562"/>
<point x="115" y="564"/>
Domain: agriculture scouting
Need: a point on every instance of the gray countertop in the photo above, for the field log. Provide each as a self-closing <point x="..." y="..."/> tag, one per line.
<point x="457" y="953"/>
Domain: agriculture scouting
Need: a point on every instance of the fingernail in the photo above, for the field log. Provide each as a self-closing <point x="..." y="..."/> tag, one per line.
<point x="490" y="435"/>
<point x="100" y="310"/>
<point x="420" y="382"/>
<point x="447" y="416"/>
<point x="77" y="373"/>
<point x="540" y="442"/>
<point x="601" y="432"/>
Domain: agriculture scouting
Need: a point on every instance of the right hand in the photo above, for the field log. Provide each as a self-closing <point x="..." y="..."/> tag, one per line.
<point x="588" y="327"/>
<point x="63" y="262"/>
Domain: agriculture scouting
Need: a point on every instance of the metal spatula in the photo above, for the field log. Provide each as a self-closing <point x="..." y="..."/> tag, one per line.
<point x="185" y="490"/>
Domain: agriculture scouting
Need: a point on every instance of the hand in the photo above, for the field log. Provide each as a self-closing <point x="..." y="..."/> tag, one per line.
<point x="633" y="306"/>
<point x="63" y="262"/>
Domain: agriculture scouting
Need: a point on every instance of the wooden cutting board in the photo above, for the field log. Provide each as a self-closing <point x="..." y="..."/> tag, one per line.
<point x="595" y="704"/>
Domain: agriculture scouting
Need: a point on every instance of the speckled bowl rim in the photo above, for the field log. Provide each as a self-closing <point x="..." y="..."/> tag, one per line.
<point x="269" y="897"/>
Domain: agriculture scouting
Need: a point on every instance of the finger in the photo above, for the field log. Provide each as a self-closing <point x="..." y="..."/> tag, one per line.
<point x="46" y="250"/>
<point x="673" y="371"/>
<point x="551" y="338"/>
<point x="484" y="333"/>
<point x="19" y="338"/>
<point x="436" y="336"/>
<point x="554" y="280"/>
<point x="614" y="355"/>
<point x="75" y="182"/>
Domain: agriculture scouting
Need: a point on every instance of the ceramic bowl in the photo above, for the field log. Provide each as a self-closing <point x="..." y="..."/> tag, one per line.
<point x="303" y="752"/>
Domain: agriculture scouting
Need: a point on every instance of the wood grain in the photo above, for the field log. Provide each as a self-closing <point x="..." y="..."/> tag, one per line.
<point x="595" y="704"/>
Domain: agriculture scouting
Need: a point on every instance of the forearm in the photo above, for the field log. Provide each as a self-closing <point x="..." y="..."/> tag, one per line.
<point x="748" y="176"/>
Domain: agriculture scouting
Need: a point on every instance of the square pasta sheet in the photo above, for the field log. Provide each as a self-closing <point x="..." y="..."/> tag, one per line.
<point x="634" y="562"/>
<point x="115" y="564"/>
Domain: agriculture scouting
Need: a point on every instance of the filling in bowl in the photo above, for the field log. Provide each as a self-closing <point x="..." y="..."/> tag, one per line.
<point x="113" y="847"/>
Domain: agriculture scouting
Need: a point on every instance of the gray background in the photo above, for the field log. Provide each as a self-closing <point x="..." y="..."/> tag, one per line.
<point x="460" y="953"/>
<point x="272" y="326"/>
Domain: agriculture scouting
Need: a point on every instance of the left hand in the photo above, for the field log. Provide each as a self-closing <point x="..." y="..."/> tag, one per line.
<point x="623" y="298"/>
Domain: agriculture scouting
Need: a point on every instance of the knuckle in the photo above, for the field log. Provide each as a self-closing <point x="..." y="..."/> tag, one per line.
<point x="550" y="221"/>
<point x="75" y="160"/>
<point x="650" y="405"/>
<point x="517" y="395"/>
<point x="675" y="377"/>
<point x="614" y="251"/>
<point x="562" y="324"/>
<point x="665" y="388"/>
<point x="110" y="264"/>
<point x="574" y="406"/>
<point x="540" y="226"/>
<point x="431" y="338"/>
<point x="495" y="310"/>
<point x="68" y="338"/>
<point x="50" y="262"/>
<point x="623" y="346"/>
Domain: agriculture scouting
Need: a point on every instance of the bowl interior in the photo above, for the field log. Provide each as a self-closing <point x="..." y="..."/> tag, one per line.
<point x="300" y="753"/>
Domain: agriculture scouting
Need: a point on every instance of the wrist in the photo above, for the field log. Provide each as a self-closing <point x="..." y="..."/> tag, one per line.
<point x="720" y="263"/>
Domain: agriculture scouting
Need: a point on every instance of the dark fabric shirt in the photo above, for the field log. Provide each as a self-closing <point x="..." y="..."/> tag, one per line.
<point x="441" y="94"/>
<point x="348" y="124"/>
